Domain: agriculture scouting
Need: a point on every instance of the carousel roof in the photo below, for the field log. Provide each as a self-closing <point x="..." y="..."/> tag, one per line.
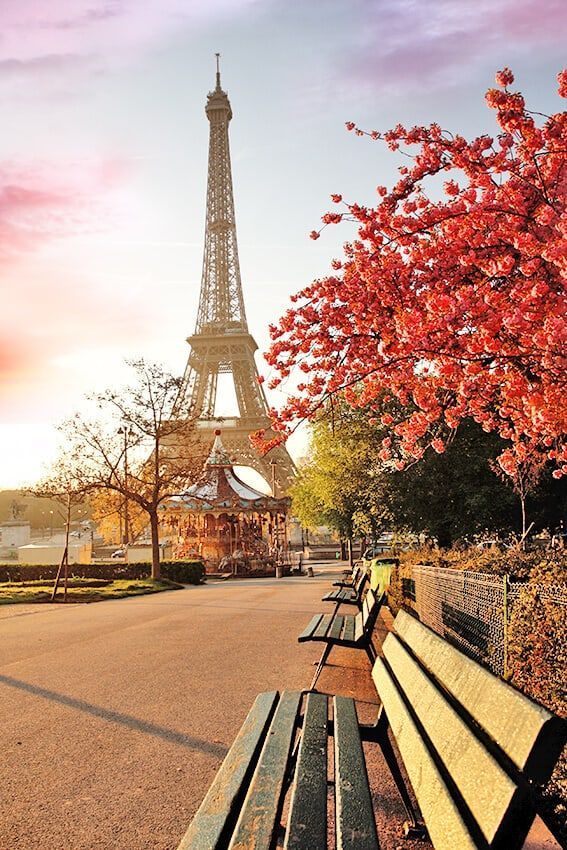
<point x="219" y="487"/>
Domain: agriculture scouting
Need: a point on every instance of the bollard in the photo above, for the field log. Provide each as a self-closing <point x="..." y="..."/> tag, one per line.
<point x="279" y="572"/>
<point x="310" y="572"/>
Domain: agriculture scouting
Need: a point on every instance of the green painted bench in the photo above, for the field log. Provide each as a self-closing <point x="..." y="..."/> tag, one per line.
<point x="350" y="577"/>
<point x="473" y="748"/>
<point x="352" y="631"/>
<point x="283" y="744"/>
<point x="348" y="595"/>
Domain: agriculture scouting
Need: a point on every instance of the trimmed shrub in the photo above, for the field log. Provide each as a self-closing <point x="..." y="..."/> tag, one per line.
<point x="108" y="572"/>
<point x="185" y="572"/>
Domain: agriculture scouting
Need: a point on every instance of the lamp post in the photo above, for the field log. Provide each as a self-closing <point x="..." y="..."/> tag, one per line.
<point x="273" y="464"/>
<point x="126" y="537"/>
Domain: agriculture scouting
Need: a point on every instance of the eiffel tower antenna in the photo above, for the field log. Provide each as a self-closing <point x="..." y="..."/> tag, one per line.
<point x="221" y="342"/>
<point x="218" y="71"/>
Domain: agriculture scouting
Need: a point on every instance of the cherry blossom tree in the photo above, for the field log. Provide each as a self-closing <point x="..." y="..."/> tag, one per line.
<point x="450" y="304"/>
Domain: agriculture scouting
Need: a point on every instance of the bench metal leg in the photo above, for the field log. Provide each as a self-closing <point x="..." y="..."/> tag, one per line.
<point x="320" y="666"/>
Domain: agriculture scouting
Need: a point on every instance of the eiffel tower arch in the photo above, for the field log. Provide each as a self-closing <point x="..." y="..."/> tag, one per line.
<point x="221" y="342"/>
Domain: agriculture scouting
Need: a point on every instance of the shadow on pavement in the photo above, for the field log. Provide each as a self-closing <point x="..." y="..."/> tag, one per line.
<point x="127" y="720"/>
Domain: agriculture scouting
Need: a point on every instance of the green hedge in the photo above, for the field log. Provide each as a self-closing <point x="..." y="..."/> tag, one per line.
<point x="184" y="572"/>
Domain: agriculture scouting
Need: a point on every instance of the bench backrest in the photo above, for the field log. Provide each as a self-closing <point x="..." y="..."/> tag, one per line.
<point x="360" y="584"/>
<point x="469" y="741"/>
<point x="365" y="620"/>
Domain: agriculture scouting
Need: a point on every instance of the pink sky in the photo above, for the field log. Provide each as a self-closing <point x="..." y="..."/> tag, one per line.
<point x="103" y="156"/>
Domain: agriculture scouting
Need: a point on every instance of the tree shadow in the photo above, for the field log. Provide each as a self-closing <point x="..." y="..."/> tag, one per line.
<point x="134" y="723"/>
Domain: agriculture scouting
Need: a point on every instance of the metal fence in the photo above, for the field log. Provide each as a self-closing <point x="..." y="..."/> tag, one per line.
<point x="472" y="610"/>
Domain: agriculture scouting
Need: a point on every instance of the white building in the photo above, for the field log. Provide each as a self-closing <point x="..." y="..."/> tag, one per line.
<point x="44" y="553"/>
<point x="13" y="534"/>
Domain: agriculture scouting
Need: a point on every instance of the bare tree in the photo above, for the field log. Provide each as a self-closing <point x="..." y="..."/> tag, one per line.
<point x="64" y="485"/>
<point x="523" y="478"/>
<point x="140" y="444"/>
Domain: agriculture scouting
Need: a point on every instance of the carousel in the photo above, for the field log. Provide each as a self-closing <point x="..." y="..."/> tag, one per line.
<point x="227" y="523"/>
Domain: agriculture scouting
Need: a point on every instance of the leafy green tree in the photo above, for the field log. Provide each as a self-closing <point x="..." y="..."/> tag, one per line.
<point x="455" y="494"/>
<point x="348" y="485"/>
<point x="341" y="483"/>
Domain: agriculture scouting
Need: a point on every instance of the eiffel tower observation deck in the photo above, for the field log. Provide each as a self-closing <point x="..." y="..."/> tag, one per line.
<point x="222" y="343"/>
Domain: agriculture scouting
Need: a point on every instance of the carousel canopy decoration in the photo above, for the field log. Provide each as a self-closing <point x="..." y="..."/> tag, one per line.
<point x="219" y="489"/>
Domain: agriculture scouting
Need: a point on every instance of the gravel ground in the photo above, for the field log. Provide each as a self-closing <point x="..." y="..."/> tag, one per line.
<point x="116" y="716"/>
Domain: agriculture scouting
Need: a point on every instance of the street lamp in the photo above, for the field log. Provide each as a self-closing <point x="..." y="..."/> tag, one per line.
<point x="273" y="464"/>
<point x="126" y="432"/>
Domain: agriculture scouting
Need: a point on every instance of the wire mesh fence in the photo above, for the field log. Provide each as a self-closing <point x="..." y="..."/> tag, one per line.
<point x="471" y="609"/>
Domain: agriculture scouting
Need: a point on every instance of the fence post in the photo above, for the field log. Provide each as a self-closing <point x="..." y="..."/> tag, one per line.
<point x="505" y="616"/>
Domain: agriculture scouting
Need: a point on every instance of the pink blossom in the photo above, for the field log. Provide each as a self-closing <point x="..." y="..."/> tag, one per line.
<point x="504" y="78"/>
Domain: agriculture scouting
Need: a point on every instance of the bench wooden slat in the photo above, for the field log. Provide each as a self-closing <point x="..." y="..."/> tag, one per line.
<point x="361" y="582"/>
<point x="307" y="820"/>
<point x="307" y="632"/>
<point x="464" y="757"/>
<point x="332" y="596"/>
<point x="221" y="803"/>
<point x="322" y="628"/>
<point x="348" y="633"/>
<point x="447" y="828"/>
<point x="358" y="627"/>
<point x="521" y="728"/>
<point x="336" y="627"/>
<point x="350" y="580"/>
<point x="262" y="805"/>
<point x="355" y="825"/>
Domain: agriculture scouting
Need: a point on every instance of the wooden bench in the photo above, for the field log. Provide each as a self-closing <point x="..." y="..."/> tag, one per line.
<point x="350" y="577"/>
<point x="472" y="746"/>
<point x="348" y="595"/>
<point x="283" y="742"/>
<point x="353" y="631"/>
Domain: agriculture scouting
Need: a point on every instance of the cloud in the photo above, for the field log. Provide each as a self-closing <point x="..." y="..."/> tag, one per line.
<point x="37" y="34"/>
<point x="52" y="305"/>
<point x="411" y="44"/>
<point x="37" y="205"/>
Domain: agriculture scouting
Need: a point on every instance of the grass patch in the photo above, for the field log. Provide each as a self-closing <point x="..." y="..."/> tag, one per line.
<point x="40" y="591"/>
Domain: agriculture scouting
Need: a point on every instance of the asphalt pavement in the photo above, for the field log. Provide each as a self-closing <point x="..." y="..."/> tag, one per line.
<point x="115" y="716"/>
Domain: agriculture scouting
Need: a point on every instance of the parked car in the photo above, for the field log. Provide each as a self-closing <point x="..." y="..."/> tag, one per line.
<point x="492" y="544"/>
<point x="374" y="552"/>
<point x="120" y="553"/>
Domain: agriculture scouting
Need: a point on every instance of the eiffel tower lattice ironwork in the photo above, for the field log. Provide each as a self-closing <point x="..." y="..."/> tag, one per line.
<point x="222" y="342"/>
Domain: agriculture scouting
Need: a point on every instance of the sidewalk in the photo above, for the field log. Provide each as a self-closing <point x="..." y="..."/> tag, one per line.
<point x="117" y="715"/>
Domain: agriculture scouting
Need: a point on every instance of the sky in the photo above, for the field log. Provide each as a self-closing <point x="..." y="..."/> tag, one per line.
<point x="103" y="163"/>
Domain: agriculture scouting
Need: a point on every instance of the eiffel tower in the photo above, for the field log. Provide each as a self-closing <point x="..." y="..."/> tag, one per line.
<point x="221" y="342"/>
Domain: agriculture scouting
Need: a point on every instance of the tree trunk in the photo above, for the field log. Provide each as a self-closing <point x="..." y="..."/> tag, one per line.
<point x="64" y="563"/>
<point x="349" y="550"/>
<point x="523" y="503"/>
<point x="154" y="526"/>
<point x="444" y="536"/>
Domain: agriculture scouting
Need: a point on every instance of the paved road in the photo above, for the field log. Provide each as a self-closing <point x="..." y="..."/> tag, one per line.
<point x="114" y="717"/>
